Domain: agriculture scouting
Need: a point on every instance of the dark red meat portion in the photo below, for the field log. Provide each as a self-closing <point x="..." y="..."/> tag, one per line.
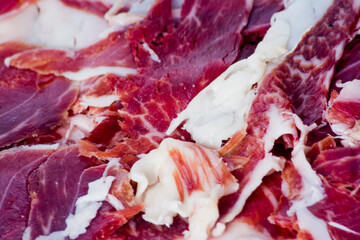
<point x="348" y="67"/>
<point x="54" y="188"/>
<point x="30" y="104"/>
<point x="137" y="229"/>
<point x="261" y="204"/>
<point x="299" y="85"/>
<point x="15" y="168"/>
<point x="341" y="168"/>
<point x="341" y="208"/>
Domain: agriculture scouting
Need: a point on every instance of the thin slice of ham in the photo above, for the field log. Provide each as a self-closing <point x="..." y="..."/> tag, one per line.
<point x="42" y="100"/>
<point x="340" y="167"/>
<point x="190" y="58"/>
<point x="343" y="112"/>
<point x="286" y="89"/>
<point x="15" y="167"/>
<point x="184" y="179"/>
<point x="54" y="188"/>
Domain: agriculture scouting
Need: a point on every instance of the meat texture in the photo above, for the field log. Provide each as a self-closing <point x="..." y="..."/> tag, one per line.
<point x="43" y="100"/>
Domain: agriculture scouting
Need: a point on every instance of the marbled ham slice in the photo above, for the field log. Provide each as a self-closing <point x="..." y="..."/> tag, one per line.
<point x="15" y="167"/>
<point x="300" y="85"/>
<point x="348" y="68"/>
<point x="136" y="80"/>
<point x="211" y="50"/>
<point x="42" y="100"/>
<point x="111" y="54"/>
<point x="54" y="188"/>
<point x="151" y="99"/>
<point x="340" y="211"/>
<point x="340" y="167"/>
<point x="184" y="179"/>
<point x="253" y="221"/>
<point x="343" y="112"/>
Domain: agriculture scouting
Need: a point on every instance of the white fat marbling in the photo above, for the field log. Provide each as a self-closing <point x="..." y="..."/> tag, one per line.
<point x="165" y="195"/>
<point x="51" y="24"/>
<point x="221" y="109"/>
<point x="101" y="101"/>
<point x="89" y="72"/>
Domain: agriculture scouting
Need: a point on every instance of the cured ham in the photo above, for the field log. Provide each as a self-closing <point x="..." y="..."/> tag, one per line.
<point x="343" y="113"/>
<point x="185" y="179"/>
<point x="16" y="166"/>
<point x="42" y="100"/>
<point x="179" y="119"/>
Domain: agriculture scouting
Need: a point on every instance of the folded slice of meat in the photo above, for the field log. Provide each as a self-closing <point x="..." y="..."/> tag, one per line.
<point x="191" y="52"/>
<point x="340" y="211"/>
<point x="347" y="69"/>
<point x="182" y="178"/>
<point x="54" y="188"/>
<point x="31" y="104"/>
<point x="343" y="113"/>
<point x="253" y="222"/>
<point x="298" y="85"/>
<point x="340" y="167"/>
<point x="15" y="167"/>
<point x="110" y="55"/>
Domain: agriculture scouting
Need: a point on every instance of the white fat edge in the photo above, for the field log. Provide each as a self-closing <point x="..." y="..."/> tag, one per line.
<point x="265" y="166"/>
<point x="313" y="225"/>
<point x="348" y="92"/>
<point x="57" y="235"/>
<point x="158" y="191"/>
<point x="312" y="191"/>
<point x="26" y="234"/>
<point x="50" y="23"/>
<point x="238" y="229"/>
<point x="89" y="72"/>
<point x="342" y="227"/>
<point x="280" y="123"/>
<point x="356" y="5"/>
<point x="87" y="207"/>
<point x="77" y="127"/>
<point x="39" y="147"/>
<point x="115" y="202"/>
<point x="101" y="101"/>
<point x="221" y="109"/>
<point x="350" y="135"/>
<point x="153" y="55"/>
<point x="33" y="147"/>
<point x="176" y="6"/>
<point x="137" y="12"/>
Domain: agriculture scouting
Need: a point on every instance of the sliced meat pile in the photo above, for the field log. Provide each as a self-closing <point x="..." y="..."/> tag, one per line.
<point x="179" y="119"/>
